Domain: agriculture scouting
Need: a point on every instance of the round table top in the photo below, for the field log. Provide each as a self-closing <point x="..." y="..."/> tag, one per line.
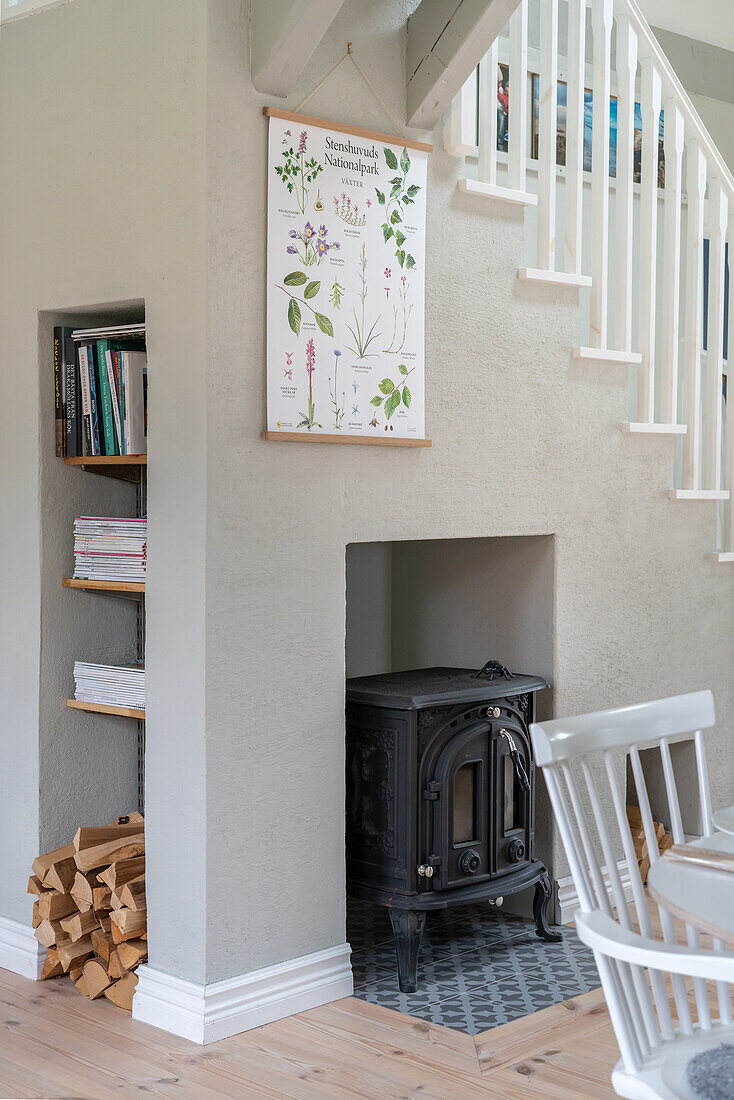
<point x="701" y="896"/>
<point x="724" y="820"/>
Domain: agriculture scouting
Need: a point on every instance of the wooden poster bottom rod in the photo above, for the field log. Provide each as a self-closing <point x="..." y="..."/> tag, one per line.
<point x="369" y="441"/>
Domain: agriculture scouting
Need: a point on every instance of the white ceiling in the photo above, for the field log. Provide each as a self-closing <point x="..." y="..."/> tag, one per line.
<point x="709" y="21"/>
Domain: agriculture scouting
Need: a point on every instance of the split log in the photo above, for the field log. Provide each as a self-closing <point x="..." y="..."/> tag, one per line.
<point x="60" y="875"/>
<point x="52" y="967"/>
<point x="53" y="906"/>
<point x="116" y="901"/>
<point x="115" y="969"/>
<point x="89" y="837"/>
<point x="36" y="918"/>
<point x="43" y="863"/>
<point x="101" y="898"/>
<point x="80" y="924"/>
<point x="75" y="972"/>
<point x="81" y="984"/>
<point x="35" y="886"/>
<point x="48" y="932"/>
<point x="634" y="816"/>
<point x="81" y="891"/>
<point x="110" y="852"/>
<point x="129" y="923"/>
<point x="121" y="993"/>
<point x="96" y="978"/>
<point x="122" y="871"/>
<point x="102" y="943"/>
<point x="665" y="843"/>
<point x="74" y="952"/>
<point x="132" y="894"/>
<point x="132" y="953"/>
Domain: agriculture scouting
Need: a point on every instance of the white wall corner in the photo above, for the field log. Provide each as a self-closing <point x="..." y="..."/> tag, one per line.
<point x="205" y="1014"/>
<point x="20" y="951"/>
<point x="567" y="898"/>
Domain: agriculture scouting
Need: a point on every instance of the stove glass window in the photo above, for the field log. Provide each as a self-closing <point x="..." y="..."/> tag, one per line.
<point x="512" y="802"/>
<point x="465" y="802"/>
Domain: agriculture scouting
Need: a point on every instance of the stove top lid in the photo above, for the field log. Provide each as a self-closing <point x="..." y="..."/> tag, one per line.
<point x="430" y="687"/>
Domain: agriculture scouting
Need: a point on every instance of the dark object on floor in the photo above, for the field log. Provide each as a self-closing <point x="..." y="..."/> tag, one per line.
<point x="440" y="797"/>
<point x="711" y="1074"/>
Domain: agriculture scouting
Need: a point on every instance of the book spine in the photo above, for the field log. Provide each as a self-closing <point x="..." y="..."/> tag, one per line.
<point x="108" y="425"/>
<point x="60" y="426"/>
<point x="136" y="401"/>
<point x="87" y="433"/>
<point x="94" y="399"/>
<point x="120" y="400"/>
<point x="72" y="398"/>
<point x="125" y="391"/>
<point x="111" y="381"/>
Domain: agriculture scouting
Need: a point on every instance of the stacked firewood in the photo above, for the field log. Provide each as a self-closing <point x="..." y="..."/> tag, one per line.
<point x="90" y="912"/>
<point x="664" y="840"/>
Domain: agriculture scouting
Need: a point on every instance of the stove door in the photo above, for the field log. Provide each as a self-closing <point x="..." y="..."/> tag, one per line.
<point x="461" y="814"/>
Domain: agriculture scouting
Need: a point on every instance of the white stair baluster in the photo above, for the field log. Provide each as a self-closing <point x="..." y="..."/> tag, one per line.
<point x="460" y="130"/>
<point x="575" y="132"/>
<point x="696" y="181"/>
<point x="488" y="116"/>
<point x="601" y="22"/>
<point x="651" y="98"/>
<point x="547" y="123"/>
<point x="517" y="145"/>
<point x="670" y="329"/>
<point x="626" y="77"/>
<point x="719" y="215"/>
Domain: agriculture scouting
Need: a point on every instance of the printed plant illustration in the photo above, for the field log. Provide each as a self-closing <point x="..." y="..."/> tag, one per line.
<point x="298" y="278"/>
<point x="335" y="294"/>
<point x="362" y="338"/>
<point x="334" y="394"/>
<point x="298" y="170"/>
<point x="348" y="211"/>
<point x="392" y="393"/>
<point x="405" y="311"/>
<point x="309" y="419"/>
<point x="313" y="246"/>
<point x="400" y="196"/>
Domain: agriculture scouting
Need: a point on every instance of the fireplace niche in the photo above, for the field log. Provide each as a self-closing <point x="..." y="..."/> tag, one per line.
<point x="441" y="804"/>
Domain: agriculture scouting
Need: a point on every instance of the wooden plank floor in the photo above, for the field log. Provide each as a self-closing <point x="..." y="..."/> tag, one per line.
<point x="56" y="1044"/>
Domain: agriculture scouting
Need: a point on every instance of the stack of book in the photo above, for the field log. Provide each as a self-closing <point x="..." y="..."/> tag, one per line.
<point x="109" y="549"/>
<point x="100" y="390"/>
<point x="110" y="685"/>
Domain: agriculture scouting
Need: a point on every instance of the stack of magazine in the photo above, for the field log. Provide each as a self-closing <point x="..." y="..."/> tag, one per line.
<point x="110" y="685"/>
<point x="109" y="549"/>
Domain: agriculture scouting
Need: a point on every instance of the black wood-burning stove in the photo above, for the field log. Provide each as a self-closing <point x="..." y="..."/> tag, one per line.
<point x="440" y="796"/>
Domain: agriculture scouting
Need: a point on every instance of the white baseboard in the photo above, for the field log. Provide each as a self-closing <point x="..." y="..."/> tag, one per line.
<point x="568" y="899"/>
<point x="204" y="1014"/>
<point x="20" y="951"/>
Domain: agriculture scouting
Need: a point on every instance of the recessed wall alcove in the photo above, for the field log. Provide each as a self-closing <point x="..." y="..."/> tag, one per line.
<point x="455" y="602"/>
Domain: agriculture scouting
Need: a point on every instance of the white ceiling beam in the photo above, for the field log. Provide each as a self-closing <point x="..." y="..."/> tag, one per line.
<point x="283" y="37"/>
<point x="446" y="40"/>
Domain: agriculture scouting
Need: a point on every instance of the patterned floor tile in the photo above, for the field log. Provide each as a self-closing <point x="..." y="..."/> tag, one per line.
<point x="478" y="967"/>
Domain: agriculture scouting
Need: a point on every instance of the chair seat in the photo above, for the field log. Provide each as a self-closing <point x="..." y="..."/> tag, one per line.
<point x="662" y="1075"/>
<point x="724" y="820"/>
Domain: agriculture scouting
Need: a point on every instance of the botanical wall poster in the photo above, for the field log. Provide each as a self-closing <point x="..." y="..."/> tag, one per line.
<point x="345" y="283"/>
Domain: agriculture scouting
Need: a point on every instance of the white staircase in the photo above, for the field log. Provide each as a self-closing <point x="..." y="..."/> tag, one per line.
<point x="634" y="250"/>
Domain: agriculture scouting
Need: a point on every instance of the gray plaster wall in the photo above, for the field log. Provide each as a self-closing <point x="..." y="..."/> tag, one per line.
<point x="525" y="441"/>
<point x="102" y="126"/>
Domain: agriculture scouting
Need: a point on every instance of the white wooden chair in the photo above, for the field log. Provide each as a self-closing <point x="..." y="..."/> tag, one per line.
<point x="583" y="754"/>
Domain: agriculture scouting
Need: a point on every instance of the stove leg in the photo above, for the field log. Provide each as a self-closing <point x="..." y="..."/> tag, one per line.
<point x="543" y="895"/>
<point x="407" y="927"/>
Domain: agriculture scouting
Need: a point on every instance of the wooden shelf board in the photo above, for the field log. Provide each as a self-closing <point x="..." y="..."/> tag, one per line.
<point x="108" y="460"/>
<point x="104" y="586"/>
<point x="121" y="467"/>
<point x="99" y="708"/>
<point x="367" y="440"/>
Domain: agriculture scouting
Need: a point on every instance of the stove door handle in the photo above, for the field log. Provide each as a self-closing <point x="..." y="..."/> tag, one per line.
<point x="517" y="761"/>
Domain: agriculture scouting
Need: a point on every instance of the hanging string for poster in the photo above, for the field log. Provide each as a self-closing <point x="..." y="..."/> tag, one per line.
<point x="347" y="56"/>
